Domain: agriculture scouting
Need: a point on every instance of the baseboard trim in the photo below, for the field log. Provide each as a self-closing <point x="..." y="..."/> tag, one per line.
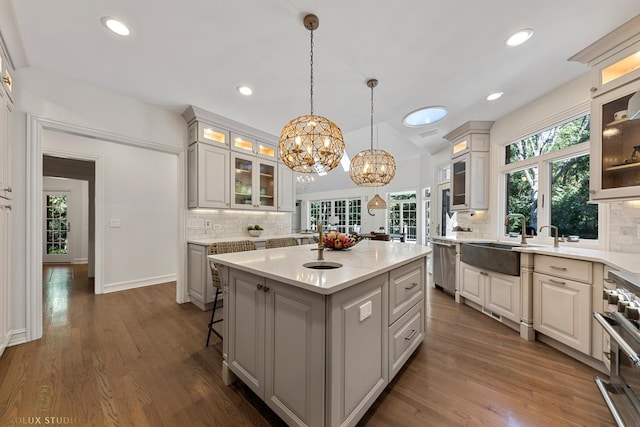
<point x="80" y="261"/>
<point x="139" y="283"/>
<point x="18" y="336"/>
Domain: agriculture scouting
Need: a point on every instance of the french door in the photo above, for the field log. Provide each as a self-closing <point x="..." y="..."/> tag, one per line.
<point x="57" y="228"/>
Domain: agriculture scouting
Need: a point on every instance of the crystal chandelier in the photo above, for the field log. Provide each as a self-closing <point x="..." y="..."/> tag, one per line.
<point x="305" y="181"/>
<point x="372" y="167"/>
<point x="311" y="144"/>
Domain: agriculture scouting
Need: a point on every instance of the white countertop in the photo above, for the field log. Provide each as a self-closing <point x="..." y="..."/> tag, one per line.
<point x="617" y="260"/>
<point x="261" y="238"/>
<point x="366" y="260"/>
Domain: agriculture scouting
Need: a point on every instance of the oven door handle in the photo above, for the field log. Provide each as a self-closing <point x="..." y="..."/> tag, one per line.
<point x="602" y="387"/>
<point x="604" y="322"/>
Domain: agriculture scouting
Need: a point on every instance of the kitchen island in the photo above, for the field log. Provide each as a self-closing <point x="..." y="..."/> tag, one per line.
<point x="319" y="346"/>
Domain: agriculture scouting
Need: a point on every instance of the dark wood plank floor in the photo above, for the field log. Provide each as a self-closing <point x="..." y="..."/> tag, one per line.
<point x="136" y="358"/>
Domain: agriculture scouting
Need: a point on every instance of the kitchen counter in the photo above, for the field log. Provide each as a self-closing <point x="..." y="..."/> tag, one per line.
<point x="616" y="260"/>
<point x="262" y="238"/>
<point x="367" y="259"/>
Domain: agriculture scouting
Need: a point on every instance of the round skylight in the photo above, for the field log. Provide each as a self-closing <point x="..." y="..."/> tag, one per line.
<point x="519" y="37"/>
<point x="425" y="116"/>
<point x="244" y="90"/>
<point x="115" y="25"/>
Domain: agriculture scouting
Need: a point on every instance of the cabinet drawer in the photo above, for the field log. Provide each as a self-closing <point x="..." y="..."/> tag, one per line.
<point x="406" y="287"/>
<point x="563" y="267"/>
<point x="404" y="336"/>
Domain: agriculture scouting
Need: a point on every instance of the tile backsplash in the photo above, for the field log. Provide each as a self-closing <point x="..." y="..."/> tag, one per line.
<point x="477" y="221"/>
<point x="625" y="227"/>
<point x="230" y="223"/>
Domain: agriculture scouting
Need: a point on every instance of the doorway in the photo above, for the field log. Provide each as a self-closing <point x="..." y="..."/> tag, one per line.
<point x="444" y="212"/>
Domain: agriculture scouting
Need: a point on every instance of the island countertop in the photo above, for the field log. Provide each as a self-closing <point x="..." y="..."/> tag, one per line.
<point x="366" y="260"/>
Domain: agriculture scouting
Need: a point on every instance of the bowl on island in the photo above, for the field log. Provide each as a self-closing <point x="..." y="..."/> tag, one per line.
<point x="340" y="241"/>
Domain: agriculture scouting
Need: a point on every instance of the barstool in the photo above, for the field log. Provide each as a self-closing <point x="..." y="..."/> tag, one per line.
<point x="223" y="248"/>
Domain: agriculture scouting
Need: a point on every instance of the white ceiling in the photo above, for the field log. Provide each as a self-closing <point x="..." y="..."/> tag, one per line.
<point x="446" y="52"/>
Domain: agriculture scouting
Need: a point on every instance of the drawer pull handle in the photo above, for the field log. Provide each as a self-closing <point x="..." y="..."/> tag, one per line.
<point x="558" y="268"/>
<point x="557" y="282"/>
<point x="413" y="285"/>
<point x="411" y="335"/>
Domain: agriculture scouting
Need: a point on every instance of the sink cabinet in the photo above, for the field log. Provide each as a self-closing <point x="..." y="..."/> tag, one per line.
<point x="321" y="360"/>
<point x="495" y="293"/>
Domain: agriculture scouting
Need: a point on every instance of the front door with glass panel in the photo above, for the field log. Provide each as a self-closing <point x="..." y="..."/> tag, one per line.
<point x="57" y="227"/>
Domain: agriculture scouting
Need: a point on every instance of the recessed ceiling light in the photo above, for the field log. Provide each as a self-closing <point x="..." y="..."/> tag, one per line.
<point x="519" y="37"/>
<point x="114" y="25"/>
<point x="244" y="90"/>
<point x="425" y="116"/>
<point x="494" y="96"/>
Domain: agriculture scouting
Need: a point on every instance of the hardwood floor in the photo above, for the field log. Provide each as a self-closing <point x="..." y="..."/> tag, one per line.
<point x="136" y="358"/>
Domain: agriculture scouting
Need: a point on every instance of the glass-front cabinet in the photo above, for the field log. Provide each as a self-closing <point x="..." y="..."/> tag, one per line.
<point x="254" y="183"/>
<point x="459" y="184"/>
<point x="615" y="165"/>
<point x="244" y="144"/>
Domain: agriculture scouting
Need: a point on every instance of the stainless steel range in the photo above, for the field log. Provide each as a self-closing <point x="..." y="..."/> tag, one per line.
<point x="621" y="322"/>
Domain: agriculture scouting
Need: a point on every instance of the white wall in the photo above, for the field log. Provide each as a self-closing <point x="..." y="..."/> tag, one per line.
<point x="141" y="186"/>
<point x="141" y="192"/>
<point x="78" y="214"/>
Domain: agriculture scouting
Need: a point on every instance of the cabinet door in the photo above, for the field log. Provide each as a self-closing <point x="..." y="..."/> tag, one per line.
<point x="478" y="183"/>
<point x="213" y="177"/>
<point x="460" y="182"/>
<point x="5" y="274"/>
<point x="208" y="134"/>
<point x="502" y="295"/>
<point x="5" y="145"/>
<point x="472" y="283"/>
<point x="562" y="310"/>
<point x="200" y="281"/>
<point x="615" y="161"/>
<point x="359" y="349"/>
<point x="286" y="189"/>
<point x="265" y="185"/>
<point x="192" y="176"/>
<point x="294" y="354"/>
<point x="246" y="323"/>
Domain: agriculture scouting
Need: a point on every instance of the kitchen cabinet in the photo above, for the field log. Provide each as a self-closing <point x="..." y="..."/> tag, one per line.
<point x="5" y="273"/>
<point x="254" y="182"/>
<point x="201" y="290"/>
<point x="208" y="176"/>
<point x="6" y="195"/>
<point x="320" y="359"/>
<point x="286" y="189"/>
<point x="497" y="294"/>
<point x="562" y="296"/>
<point x="207" y="133"/>
<point x="615" y="148"/>
<point x="278" y="345"/>
<point x="470" y="166"/>
<point x="245" y="144"/>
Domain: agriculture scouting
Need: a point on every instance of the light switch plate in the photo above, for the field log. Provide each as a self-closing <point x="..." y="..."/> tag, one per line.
<point x="365" y="310"/>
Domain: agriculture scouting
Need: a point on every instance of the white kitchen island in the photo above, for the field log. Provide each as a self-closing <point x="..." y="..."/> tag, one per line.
<point x="319" y="346"/>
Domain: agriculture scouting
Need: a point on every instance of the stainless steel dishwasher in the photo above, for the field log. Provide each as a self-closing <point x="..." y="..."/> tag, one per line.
<point x="444" y="265"/>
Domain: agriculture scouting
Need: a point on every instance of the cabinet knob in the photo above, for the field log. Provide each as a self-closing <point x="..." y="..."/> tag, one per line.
<point x="259" y="287"/>
<point x="265" y="289"/>
<point x="593" y="89"/>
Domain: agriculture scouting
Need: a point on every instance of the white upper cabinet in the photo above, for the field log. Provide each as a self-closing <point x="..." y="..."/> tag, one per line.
<point x="615" y="113"/>
<point x="470" y="166"/>
<point x="245" y="144"/>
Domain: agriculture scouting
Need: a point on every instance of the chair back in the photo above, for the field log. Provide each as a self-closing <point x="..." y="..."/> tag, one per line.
<point x="225" y="248"/>
<point x="281" y="242"/>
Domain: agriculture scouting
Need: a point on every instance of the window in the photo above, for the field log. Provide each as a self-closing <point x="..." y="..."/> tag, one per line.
<point x="402" y="214"/>
<point x="552" y="165"/>
<point x="343" y="215"/>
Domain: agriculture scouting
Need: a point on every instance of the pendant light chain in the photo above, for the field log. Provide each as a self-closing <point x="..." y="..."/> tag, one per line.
<point x="372" y="86"/>
<point x="311" y="61"/>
